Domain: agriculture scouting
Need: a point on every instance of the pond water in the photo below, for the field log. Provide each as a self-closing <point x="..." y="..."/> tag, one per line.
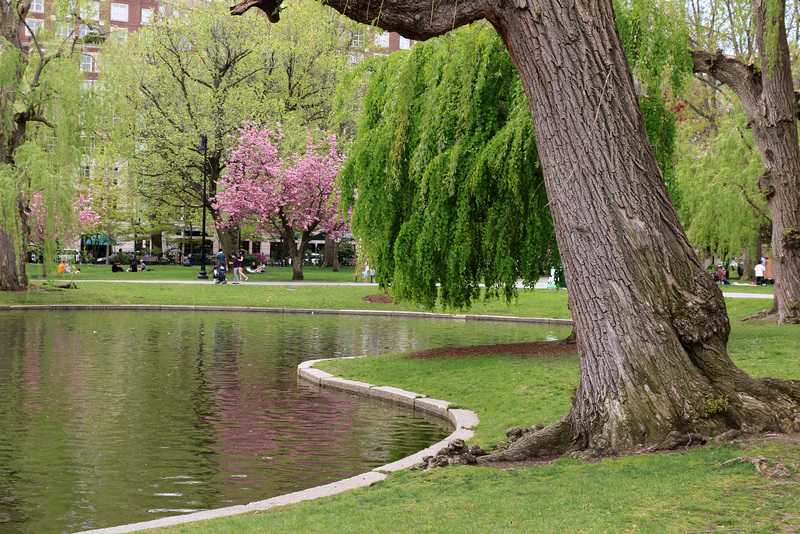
<point x="115" y="417"/>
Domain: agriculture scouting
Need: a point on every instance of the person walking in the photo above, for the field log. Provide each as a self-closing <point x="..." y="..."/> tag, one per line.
<point x="235" y="267"/>
<point x="242" y="276"/>
<point x="221" y="262"/>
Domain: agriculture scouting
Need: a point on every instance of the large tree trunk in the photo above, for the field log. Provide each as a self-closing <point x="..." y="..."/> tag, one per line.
<point x="12" y="274"/>
<point x="770" y="103"/>
<point x="13" y="249"/>
<point x="651" y="323"/>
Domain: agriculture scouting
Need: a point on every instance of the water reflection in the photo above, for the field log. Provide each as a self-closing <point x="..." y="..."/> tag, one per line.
<point x="115" y="417"/>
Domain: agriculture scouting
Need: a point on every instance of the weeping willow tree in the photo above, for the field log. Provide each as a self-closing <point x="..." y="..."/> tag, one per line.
<point x="723" y="208"/>
<point x="444" y="177"/>
<point x="42" y="113"/>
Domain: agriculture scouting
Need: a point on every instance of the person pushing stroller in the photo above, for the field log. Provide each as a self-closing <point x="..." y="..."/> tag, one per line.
<point x="220" y="269"/>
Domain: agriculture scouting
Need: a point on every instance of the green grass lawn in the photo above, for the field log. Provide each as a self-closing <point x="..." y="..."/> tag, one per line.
<point x="661" y="493"/>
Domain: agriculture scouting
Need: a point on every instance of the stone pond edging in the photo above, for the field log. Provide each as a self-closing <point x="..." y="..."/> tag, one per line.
<point x="462" y="420"/>
<point x="255" y="309"/>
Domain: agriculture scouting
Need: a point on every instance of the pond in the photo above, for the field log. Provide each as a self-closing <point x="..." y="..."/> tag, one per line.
<point x="114" y="417"/>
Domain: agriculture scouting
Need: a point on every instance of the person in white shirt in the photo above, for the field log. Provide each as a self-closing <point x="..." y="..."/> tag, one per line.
<point x="759" y="273"/>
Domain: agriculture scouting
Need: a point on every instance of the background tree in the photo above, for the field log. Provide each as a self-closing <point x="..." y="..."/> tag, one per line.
<point x="444" y="178"/>
<point x="205" y="73"/>
<point x="41" y="104"/>
<point x="722" y="207"/>
<point x="288" y="196"/>
<point x="768" y="98"/>
<point x="45" y="227"/>
<point x="651" y="324"/>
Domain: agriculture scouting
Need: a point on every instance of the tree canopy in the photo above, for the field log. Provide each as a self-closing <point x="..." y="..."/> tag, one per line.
<point x="46" y="114"/>
<point x="284" y="195"/>
<point x="444" y="177"/>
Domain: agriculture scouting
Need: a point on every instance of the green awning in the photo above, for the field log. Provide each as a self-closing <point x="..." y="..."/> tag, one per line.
<point x="98" y="240"/>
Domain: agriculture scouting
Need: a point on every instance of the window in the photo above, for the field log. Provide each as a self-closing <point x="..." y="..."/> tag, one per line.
<point x="382" y="40"/>
<point x="118" y="35"/>
<point x="86" y="63"/>
<point x="357" y="39"/>
<point x="91" y="11"/>
<point x="119" y="12"/>
<point x="35" y="25"/>
<point x="147" y="16"/>
<point x="37" y="6"/>
<point x="354" y="58"/>
<point x="405" y="44"/>
<point x="84" y="30"/>
<point x="64" y="30"/>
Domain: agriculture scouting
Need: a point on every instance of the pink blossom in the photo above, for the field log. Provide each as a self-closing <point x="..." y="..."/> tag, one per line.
<point x="40" y="212"/>
<point x="278" y="194"/>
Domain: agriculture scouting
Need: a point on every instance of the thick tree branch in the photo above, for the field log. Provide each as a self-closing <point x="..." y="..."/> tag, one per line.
<point x="413" y="19"/>
<point x="745" y="80"/>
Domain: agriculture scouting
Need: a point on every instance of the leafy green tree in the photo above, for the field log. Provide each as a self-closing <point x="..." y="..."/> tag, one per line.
<point x="205" y="73"/>
<point x="722" y="207"/>
<point x="43" y="111"/>
<point x="650" y="322"/>
<point x="444" y="176"/>
<point x="765" y="90"/>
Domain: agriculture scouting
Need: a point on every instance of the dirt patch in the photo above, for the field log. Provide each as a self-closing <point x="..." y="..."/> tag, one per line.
<point x="378" y="299"/>
<point x="532" y="348"/>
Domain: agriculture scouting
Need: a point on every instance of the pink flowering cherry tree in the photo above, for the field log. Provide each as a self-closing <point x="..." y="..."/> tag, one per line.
<point x="293" y="196"/>
<point x="45" y="224"/>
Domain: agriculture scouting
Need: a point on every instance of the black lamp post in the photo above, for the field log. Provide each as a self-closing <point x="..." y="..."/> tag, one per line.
<point x="204" y="149"/>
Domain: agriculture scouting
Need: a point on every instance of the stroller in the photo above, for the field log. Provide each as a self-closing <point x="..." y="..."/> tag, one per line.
<point x="219" y="275"/>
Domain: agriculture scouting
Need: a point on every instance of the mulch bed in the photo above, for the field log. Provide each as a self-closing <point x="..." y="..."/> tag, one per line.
<point x="378" y="299"/>
<point x="533" y="348"/>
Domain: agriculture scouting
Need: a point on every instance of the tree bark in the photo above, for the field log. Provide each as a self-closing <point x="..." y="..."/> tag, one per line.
<point x="651" y="323"/>
<point x="14" y="249"/>
<point x="770" y="103"/>
<point x="331" y="256"/>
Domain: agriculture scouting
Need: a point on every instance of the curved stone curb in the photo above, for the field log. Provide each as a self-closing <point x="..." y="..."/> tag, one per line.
<point x="463" y="420"/>
<point x="255" y="309"/>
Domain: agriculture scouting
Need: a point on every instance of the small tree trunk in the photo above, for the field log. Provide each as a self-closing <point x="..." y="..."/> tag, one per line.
<point x="330" y="253"/>
<point x="768" y="98"/>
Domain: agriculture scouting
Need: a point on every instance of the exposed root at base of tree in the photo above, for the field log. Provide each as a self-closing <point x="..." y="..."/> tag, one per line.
<point x="458" y="453"/>
<point x="57" y="287"/>
<point x="764" y="314"/>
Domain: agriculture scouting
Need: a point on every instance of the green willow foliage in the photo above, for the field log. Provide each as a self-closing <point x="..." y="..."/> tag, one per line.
<point x="445" y="175"/>
<point x="444" y="178"/>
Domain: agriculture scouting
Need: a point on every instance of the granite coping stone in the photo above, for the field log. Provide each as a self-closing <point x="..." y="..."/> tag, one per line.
<point x="351" y="386"/>
<point x="436" y="407"/>
<point x="313" y="375"/>
<point x="395" y="395"/>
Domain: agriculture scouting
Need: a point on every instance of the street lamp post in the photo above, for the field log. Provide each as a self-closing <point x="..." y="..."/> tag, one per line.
<point x="204" y="149"/>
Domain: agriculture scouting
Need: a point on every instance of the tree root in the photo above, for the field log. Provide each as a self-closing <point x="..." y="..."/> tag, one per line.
<point x="556" y="439"/>
<point x="762" y="466"/>
<point x="763" y="314"/>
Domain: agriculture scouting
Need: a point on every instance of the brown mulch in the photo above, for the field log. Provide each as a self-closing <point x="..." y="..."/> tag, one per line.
<point x="378" y="299"/>
<point x="533" y="348"/>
